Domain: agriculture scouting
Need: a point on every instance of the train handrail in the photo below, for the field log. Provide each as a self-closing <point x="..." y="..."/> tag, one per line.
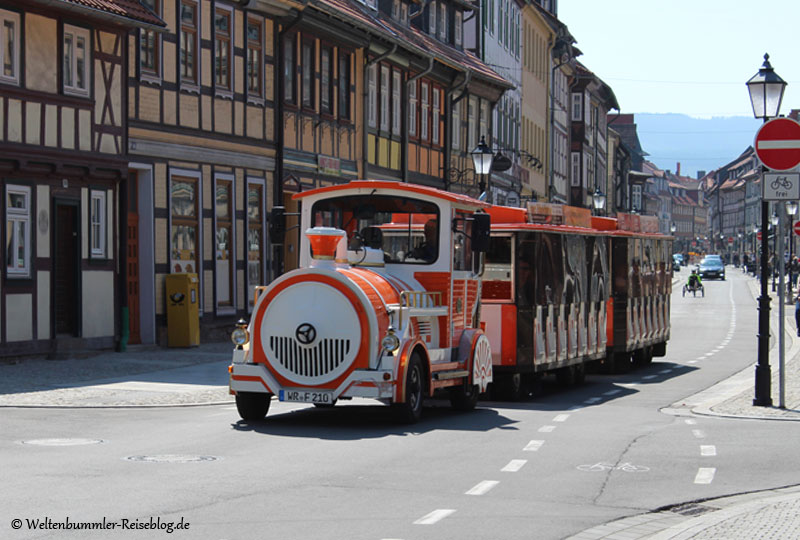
<point x="422" y="303"/>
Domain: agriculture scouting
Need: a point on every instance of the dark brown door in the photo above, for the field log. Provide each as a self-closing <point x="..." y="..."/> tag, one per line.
<point x="66" y="271"/>
<point x="133" y="261"/>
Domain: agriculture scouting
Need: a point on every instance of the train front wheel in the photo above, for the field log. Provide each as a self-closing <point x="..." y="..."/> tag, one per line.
<point x="252" y="406"/>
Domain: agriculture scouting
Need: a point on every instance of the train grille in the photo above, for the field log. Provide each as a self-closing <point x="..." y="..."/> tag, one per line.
<point x="309" y="360"/>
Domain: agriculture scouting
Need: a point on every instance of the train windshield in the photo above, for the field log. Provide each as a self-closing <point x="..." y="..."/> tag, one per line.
<point x="405" y="229"/>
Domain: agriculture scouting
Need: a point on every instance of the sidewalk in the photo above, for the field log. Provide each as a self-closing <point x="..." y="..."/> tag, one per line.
<point x="141" y="377"/>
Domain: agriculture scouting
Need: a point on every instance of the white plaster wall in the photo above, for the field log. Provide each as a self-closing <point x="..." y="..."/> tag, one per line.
<point x="19" y="324"/>
<point x="98" y="303"/>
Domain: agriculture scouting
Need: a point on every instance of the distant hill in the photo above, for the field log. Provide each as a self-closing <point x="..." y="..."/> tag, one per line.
<point x="698" y="144"/>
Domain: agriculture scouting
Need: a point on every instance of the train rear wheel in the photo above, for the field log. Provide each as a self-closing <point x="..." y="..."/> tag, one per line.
<point x="508" y="387"/>
<point x="252" y="406"/>
<point x="464" y="397"/>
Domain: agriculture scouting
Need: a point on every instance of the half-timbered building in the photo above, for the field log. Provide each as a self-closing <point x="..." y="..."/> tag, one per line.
<point x="62" y="170"/>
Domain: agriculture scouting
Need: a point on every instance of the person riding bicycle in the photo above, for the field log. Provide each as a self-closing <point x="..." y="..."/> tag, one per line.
<point x="694" y="281"/>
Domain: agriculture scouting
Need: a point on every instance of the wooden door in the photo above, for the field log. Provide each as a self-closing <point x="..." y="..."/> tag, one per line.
<point x="132" y="261"/>
<point x="67" y="270"/>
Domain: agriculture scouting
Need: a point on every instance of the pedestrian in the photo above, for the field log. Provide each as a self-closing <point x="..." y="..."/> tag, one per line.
<point x="797" y="313"/>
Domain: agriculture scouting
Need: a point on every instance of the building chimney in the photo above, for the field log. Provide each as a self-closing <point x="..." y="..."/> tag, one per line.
<point x="700" y="174"/>
<point x="678" y="170"/>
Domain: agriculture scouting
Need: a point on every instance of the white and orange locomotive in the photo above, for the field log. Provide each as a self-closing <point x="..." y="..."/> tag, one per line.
<point x="385" y="304"/>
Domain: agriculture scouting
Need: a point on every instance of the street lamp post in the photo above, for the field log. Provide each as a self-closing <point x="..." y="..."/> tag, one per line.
<point x="482" y="158"/>
<point x="766" y="92"/>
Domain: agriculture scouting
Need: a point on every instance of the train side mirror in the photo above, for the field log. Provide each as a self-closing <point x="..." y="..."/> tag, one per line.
<point x="277" y="225"/>
<point x="481" y="225"/>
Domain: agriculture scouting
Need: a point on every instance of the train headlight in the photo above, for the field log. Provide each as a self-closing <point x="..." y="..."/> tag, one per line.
<point x="390" y="341"/>
<point x="240" y="336"/>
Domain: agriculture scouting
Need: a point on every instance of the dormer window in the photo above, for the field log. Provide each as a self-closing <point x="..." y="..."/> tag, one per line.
<point x="404" y="13"/>
<point x="396" y="9"/>
<point x="459" y="28"/>
<point x="432" y="19"/>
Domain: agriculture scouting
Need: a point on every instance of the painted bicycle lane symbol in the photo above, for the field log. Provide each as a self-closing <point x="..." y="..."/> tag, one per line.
<point x="604" y="467"/>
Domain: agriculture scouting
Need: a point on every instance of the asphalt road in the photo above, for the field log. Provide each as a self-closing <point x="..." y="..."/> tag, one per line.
<point x="548" y="468"/>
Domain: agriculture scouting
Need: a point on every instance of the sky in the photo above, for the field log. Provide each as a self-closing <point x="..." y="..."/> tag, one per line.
<point x="686" y="56"/>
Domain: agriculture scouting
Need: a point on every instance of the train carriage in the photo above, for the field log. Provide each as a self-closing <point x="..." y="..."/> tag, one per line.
<point x="563" y="289"/>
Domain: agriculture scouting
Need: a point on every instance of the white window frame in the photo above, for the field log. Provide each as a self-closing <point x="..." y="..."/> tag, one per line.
<point x="575" y="177"/>
<point x="404" y="13"/>
<point x="9" y="17"/>
<point x="372" y="96"/>
<point x="424" y="107"/>
<point x="442" y="21"/>
<point x="456" y="143"/>
<point x="98" y="226"/>
<point x="222" y="308"/>
<point x="396" y="100"/>
<point x="16" y="218"/>
<point x="384" y="98"/>
<point x="576" y="107"/>
<point x="472" y="124"/>
<point x="483" y="120"/>
<point x="412" y="108"/>
<point x="226" y="89"/>
<point x="459" y="28"/>
<point x="436" y="110"/>
<point x="76" y="33"/>
<point x="432" y="19"/>
<point x="396" y="10"/>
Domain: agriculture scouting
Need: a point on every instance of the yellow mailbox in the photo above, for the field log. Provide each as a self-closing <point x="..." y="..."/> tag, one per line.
<point x="183" y="313"/>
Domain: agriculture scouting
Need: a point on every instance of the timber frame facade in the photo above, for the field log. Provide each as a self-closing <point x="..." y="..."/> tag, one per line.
<point x="63" y="137"/>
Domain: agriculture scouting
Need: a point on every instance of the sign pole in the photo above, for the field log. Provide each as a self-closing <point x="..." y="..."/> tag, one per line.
<point x="781" y="318"/>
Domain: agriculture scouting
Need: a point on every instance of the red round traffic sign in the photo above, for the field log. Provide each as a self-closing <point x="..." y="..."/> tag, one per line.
<point x="796" y="228"/>
<point x="778" y="144"/>
<point x="758" y="236"/>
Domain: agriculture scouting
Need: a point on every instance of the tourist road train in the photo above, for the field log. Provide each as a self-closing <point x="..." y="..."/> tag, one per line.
<point x="405" y="292"/>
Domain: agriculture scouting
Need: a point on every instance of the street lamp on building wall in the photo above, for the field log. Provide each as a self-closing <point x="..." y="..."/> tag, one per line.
<point x="766" y="93"/>
<point x="598" y="200"/>
<point x="482" y="158"/>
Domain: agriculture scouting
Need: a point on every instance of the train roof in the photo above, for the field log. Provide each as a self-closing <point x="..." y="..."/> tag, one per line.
<point x="417" y="189"/>
<point x="570" y="219"/>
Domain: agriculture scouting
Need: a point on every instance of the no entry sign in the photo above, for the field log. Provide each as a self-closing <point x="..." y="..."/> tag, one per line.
<point x="796" y="228"/>
<point x="778" y="144"/>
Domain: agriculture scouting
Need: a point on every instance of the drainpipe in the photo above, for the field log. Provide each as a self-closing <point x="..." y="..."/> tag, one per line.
<point x="449" y="127"/>
<point x="413" y="79"/>
<point x="365" y="103"/>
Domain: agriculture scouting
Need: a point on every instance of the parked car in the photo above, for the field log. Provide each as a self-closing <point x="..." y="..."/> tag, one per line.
<point x="677" y="260"/>
<point x="712" y="267"/>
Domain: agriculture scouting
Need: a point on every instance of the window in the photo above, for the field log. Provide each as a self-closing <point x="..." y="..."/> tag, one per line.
<point x="326" y="80"/>
<point x="372" y="97"/>
<point x="188" y="42"/>
<point x="255" y="236"/>
<point x="76" y="60"/>
<point x="344" y="86"/>
<point x="396" y="110"/>
<point x="576" y="169"/>
<point x="384" y="98"/>
<point x="150" y="45"/>
<point x="222" y="47"/>
<point x="404" y="13"/>
<point x="472" y="124"/>
<point x="9" y="46"/>
<point x="484" y="121"/>
<point x="97" y="224"/>
<point x="636" y="197"/>
<point x="307" y="64"/>
<point x="412" y="109"/>
<point x="184" y="237"/>
<point x="432" y="18"/>
<point x="459" y="28"/>
<point x="289" y="70"/>
<point x="18" y="231"/>
<point x="255" y="58"/>
<point x="577" y="107"/>
<point x="442" y="21"/>
<point x="424" y="111"/>
<point x="437" y="96"/>
<point x="396" y="10"/>
<point x="225" y="254"/>
<point x="457" y="126"/>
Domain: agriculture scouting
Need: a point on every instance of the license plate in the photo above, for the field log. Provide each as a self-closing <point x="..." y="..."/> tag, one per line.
<point x="306" y="396"/>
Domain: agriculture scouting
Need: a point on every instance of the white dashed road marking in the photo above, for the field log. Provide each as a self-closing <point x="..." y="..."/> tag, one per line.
<point x="514" y="465"/>
<point x="533" y="446"/>
<point x="691" y="421"/>
<point x="708" y="450"/>
<point x="546" y="429"/>
<point x="482" y="487"/>
<point x="699" y="433"/>
<point x="561" y="418"/>
<point x="612" y="392"/>
<point x="705" y="475"/>
<point x="433" y="517"/>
